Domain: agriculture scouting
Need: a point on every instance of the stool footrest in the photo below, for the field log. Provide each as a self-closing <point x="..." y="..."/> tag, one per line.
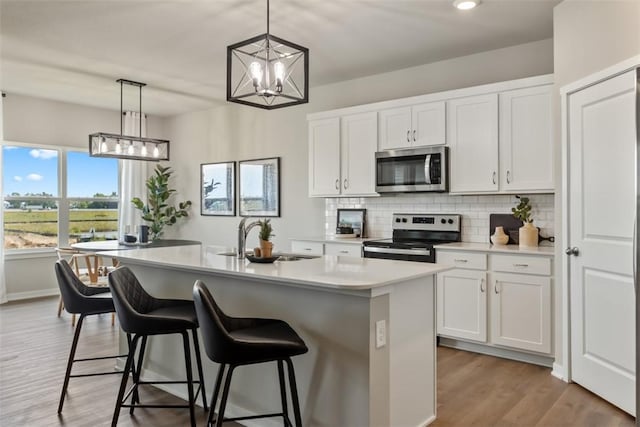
<point x="100" y="358"/>
<point x="95" y="374"/>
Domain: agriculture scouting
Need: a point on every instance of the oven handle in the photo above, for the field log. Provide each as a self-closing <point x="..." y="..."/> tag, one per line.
<point x="397" y="251"/>
<point x="427" y="169"/>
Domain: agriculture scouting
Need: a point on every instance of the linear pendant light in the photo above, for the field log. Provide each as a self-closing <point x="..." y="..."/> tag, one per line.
<point x="121" y="146"/>
<point x="267" y="72"/>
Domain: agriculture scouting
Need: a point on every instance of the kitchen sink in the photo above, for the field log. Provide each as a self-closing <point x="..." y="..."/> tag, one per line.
<point x="282" y="256"/>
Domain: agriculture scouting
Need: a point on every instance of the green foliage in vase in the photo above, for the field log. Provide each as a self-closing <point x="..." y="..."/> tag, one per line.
<point x="159" y="212"/>
<point x="522" y="211"/>
<point x="266" y="231"/>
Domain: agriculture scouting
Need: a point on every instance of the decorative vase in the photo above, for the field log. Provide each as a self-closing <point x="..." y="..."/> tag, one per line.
<point x="499" y="237"/>
<point x="528" y="235"/>
<point x="266" y="248"/>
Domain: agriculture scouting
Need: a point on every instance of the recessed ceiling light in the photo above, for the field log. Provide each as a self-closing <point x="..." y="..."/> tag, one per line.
<point x="466" y="4"/>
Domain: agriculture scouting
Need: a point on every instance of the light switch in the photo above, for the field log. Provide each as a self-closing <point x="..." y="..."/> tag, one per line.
<point x="381" y="333"/>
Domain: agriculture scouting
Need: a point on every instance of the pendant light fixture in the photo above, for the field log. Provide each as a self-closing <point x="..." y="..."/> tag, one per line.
<point x="267" y="72"/>
<point x="126" y="146"/>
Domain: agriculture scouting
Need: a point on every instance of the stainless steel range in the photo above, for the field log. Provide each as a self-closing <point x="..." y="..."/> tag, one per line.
<point x="414" y="236"/>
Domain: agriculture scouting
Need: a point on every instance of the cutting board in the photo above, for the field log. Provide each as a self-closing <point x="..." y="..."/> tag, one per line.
<point x="510" y="224"/>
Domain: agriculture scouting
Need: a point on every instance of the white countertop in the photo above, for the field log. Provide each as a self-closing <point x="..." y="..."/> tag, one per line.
<point x="488" y="247"/>
<point x="333" y="272"/>
<point x="334" y="239"/>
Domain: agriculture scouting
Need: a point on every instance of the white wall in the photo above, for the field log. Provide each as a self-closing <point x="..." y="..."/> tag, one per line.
<point x="588" y="36"/>
<point x="238" y="132"/>
<point x="40" y="121"/>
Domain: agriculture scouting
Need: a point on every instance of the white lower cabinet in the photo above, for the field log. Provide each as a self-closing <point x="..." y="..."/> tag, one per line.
<point x="319" y="248"/>
<point x="307" y="248"/>
<point x="343" y="249"/>
<point x="507" y="304"/>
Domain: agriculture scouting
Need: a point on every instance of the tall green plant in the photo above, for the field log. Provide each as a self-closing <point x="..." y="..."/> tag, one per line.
<point x="158" y="212"/>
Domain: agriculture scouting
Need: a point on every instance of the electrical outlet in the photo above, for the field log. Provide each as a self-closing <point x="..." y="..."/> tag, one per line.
<point x="381" y="333"/>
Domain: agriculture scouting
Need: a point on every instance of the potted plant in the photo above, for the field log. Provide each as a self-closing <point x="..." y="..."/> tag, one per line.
<point x="158" y="212"/>
<point x="527" y="234"/>
<point x="265" y="234"/>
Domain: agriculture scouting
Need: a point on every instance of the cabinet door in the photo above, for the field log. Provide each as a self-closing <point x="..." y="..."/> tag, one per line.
<point x="359" y="138"/>
<point x="462" y="304"/>
<point x="395" y="128"/>
<point x="473" y="140"/>
<point x="324" y="157"/>
<point x="428" y="124"/>
<point x="526" y="140"/>
<point x="306" y="247"/>
<point x="521" y="311"/>
<point x="343" y="249"/>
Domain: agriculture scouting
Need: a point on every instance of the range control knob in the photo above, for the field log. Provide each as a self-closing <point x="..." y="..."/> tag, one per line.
<point x="397" y="219"/>
<point x="404" y="219"/>
<point x="443" y="221"/>
<point x="450" y="221"/>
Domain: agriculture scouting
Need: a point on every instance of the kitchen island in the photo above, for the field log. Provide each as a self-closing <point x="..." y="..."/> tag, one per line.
<point x="368" y="323"/>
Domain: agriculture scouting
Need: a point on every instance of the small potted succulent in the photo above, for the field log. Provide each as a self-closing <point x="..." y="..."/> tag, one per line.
<point x="527" y="234"/>
<point x="265" y="235"/>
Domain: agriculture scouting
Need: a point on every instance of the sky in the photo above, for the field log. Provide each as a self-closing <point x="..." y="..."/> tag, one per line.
<point x="30" y="170"/>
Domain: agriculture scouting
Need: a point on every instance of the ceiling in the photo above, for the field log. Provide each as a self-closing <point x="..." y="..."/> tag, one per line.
<point x="75" y="50"/>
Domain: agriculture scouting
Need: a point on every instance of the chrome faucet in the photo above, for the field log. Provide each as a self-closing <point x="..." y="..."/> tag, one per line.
<point x="243" y="230"/>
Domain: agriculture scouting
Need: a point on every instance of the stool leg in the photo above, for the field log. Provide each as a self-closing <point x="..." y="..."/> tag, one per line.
<point x="225" y="395"/>
<point x="135" y="372"/>
<point x="294" y="393"/>
<point x="283" y="394"/>
<point x="196" y="346"/>
<point x="216" y="391"/>
<point x="187" y="359"/>
<point x="60" y="306"/>
<point x="72" y="354"/>
<point x="125" y="377"/>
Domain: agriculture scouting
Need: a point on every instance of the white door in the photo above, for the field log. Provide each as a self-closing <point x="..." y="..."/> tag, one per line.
<point x="462" y="304"/>
<point x="526" y="140"/>
<point x="429" y="124"/>
<point x="602" y="176"/>
<point x="395" y="128"/>
<point x="324" y="157"/>
<point x="359" y="139"/>
<point x="521" y="311"/>
<point x="472" y="130"/>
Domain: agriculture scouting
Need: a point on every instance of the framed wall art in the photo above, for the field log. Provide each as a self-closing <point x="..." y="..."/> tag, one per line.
<point x="259" y="183"/>
<point x="218" y="189"/>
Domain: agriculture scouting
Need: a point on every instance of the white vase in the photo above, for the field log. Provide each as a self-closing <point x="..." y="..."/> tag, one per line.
<point x="528" y="235"/>
<point x="499" y="237"/>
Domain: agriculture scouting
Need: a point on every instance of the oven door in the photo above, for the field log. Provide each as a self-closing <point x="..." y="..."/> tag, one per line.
<point x="421" y="169"/>
<point x="417" y="254"/>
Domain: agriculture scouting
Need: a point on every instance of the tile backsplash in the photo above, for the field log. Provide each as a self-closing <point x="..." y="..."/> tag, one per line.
<point x="475" y="211"/>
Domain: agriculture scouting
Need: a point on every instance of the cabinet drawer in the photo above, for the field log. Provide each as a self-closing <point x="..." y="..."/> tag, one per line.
<point x="310" y="248"/>
<point x="341" y="249"/>
<point x="469" y="260"/>
<point x="521" y="264"/>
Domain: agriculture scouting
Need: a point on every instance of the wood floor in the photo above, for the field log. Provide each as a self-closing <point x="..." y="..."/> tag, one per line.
<point x="473" y="389"/>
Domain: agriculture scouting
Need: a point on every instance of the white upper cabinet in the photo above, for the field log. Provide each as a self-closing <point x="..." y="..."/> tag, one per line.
<point x="342" y="155"/>
<point x="414" y="126"/>
<point x="324" y="157"/>
<point x="526" y="135"/>
<point x="473" y="141"/>
<point x="359" y="137"/>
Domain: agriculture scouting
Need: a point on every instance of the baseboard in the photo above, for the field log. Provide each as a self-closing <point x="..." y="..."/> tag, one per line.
<point x="558" y="372"/>
<point x="428" y="421"/>
<point x="16" y="296"/>
<point x="535" y="359"/>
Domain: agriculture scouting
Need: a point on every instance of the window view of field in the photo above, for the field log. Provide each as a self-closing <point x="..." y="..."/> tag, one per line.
<point x="30" y="228"/>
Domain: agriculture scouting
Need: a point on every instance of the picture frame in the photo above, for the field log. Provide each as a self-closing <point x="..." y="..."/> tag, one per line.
<point x="259" y="187"/>
<point x="356" y="219"/>
<point x="218" y="189"/>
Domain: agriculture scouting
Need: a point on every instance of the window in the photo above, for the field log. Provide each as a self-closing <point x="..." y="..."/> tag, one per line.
<point x="55" y="197"/>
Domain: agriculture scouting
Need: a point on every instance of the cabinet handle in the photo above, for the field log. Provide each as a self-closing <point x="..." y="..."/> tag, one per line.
<point x="508" y="177"/>
<point x="495" y="287"/>
<point x="346" y="184"/>
<point x="481" y="287"/>
<point x="461" y="260"/>
<point x="337" y="184"/>
<point x="493" y="177"/>
<point x="344" y="252"/>
<point x="307" y="249"/>
<point x="408" y="137"/>
<point x="414" y="136"/>
<point x="521" y="265"/>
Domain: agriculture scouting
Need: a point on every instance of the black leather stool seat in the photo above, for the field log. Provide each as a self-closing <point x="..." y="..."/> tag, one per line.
<point x="233" y="341"/>
<point x="86" y="301"/>
<point x="142" y="315"/>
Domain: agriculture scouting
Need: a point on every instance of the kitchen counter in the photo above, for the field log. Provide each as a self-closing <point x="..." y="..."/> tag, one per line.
<point x="490" y="248"/>
<point x="369" y="325"/>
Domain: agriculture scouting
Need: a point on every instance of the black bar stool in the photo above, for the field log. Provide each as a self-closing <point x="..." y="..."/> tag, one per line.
<point x="142" y="315"/>
<point x="85" y="301"/>
<point x="233" y="342"/>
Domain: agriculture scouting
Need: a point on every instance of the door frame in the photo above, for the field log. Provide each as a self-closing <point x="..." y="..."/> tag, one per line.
<point x="562" y="370"/>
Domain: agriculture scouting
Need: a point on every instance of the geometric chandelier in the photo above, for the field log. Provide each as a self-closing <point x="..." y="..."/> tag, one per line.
<point x="121" y="146"/>
<point x="267" y="72"/>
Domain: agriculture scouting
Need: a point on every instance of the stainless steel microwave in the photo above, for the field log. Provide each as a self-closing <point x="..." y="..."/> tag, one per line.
<point x="412" y="170"/>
